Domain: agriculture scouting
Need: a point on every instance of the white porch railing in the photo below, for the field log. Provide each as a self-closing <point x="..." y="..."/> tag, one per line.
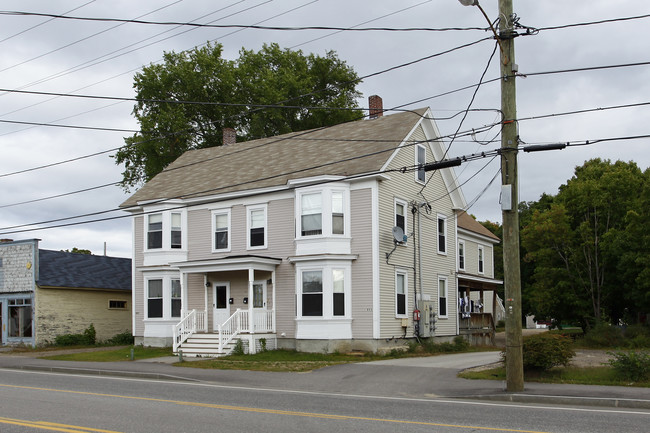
<point x="236" y="324"/>
<point x="194" y="321"/>
<point x="263" y="321"/>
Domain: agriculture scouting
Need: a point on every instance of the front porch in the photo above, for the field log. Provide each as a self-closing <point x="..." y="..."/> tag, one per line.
<point x="229" y="300"/>
<point x="479" y="307"/>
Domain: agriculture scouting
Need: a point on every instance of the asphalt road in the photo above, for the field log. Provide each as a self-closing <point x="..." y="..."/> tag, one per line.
<point x="39" y="401"/>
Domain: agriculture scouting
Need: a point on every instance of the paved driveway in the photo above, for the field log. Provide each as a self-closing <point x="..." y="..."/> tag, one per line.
<point x="456" y="361"/>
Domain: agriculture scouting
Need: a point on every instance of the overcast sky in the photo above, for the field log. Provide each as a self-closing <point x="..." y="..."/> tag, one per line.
<point x="99" y="58"/>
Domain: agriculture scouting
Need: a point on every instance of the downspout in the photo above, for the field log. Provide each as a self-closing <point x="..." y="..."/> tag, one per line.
<point x="416" y="270"/>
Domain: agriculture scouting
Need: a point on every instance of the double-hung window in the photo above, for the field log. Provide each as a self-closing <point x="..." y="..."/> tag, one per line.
<point x="401" y="285"/>
<point x="154" y="231"/>
<point x="400" y="214"/>
<point x="155" y="299"/>
<point x="176" y="231"/>
<point x="420" y="161"/>
<point x="311" y="214"/>
<point x="338" y="219"/>
<point x="442" y="297"/>
<point x="257" y="227"/>
<point x="221" y="229"/>
<point x="312" y="293"/>
<point x="176" y="298"/>
<point x="480" y="259"/>
<point x="338" y="292"/>
<point x="461" y="255"/>
<point x="442" y="234"/>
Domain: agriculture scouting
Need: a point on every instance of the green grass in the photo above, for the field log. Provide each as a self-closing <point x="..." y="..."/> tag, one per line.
<point x="571" y="375"/>
<point x="279" y="360"/>
<point x="121" y="354"/>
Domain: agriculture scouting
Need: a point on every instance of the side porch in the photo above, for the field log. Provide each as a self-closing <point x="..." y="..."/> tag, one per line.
<point x="479" y="308"/>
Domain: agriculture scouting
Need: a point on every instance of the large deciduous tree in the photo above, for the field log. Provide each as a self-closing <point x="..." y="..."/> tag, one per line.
<point x="185" y="102"/>
<point x="587" y="246"/>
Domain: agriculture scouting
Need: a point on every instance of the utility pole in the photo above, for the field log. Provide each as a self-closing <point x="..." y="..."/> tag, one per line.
<point x="510" y="201"/>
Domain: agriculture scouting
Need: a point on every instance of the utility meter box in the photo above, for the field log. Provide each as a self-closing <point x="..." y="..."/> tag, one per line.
<point x="428" y="318"/>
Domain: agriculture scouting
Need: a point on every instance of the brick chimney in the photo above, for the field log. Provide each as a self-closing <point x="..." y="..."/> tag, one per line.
<point x="376" y="107"/>
<point x="229" y="136"/>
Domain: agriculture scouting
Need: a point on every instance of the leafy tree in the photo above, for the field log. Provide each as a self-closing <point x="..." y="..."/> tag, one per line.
<point x="581" y="247"/>
<point x="78" y="251"/>
<point x="185" y="102"/>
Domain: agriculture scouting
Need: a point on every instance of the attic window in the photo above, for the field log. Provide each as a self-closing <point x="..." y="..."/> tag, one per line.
<point x="116" y="305"/>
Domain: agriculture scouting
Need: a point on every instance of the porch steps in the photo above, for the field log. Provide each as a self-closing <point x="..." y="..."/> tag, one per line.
<point x="205" y="346"/>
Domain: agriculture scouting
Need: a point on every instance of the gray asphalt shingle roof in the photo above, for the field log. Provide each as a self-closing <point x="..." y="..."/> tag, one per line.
<point x="273" y="161"/>
<point x="62" y="269"/>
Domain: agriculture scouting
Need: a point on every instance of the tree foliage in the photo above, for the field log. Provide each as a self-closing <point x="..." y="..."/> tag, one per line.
<point x="588" y="246"/>
<point x="185" y="102"/>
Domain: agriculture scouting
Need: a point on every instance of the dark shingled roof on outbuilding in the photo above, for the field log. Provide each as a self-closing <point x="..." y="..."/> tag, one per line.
<point x="62" y="269"/>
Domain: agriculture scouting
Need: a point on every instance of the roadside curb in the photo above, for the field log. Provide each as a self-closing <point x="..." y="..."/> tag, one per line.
<point x="98" y="372"/>
<point x="568" y="400"/>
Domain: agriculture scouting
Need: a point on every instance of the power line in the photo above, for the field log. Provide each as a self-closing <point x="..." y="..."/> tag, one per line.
<point x="242" y="26"/>
<point x="60" y="195"/>
<point x="606" y="21"/>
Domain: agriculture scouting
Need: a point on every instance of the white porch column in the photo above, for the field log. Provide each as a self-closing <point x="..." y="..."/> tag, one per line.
<point x="273" y="300"/>
<point x="251" y="319"/>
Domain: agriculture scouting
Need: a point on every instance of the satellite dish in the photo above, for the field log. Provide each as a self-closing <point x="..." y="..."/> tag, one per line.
<point x="398" y="234"/>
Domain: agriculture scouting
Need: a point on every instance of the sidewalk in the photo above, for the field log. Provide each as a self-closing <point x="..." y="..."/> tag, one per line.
<point x="426" y="377"/>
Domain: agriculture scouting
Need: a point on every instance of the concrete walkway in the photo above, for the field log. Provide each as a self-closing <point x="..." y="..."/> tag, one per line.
<point x="426" y="377"/>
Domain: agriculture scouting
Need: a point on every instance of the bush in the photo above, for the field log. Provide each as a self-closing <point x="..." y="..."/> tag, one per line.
<point x="545" y="351"/>
<point x="637" y="336"/>
<point x="123" y="339"/>
<point x="459" y="344"/>
<point x="604" y="335"/>
<point x="633" y="366"/>
<point x="239" y="348"/>
<point x="85" y="339"/>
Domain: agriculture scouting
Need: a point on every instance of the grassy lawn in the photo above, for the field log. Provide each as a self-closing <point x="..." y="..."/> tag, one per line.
<point x="279" y="360"/>
<point x="572" y="375"/>
<point x="121" y="354"/>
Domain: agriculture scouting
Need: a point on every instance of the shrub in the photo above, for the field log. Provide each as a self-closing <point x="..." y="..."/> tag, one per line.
<point x="122" y="339"/>
<point x="634" y="366"/>
<point x="239" y="348"/>
<point x="545" y="351"/>
<point x="85" y="339"/>
<point x="459" y="344"/>
<point x="604" y="335"/>
<point x="637" y="336"/>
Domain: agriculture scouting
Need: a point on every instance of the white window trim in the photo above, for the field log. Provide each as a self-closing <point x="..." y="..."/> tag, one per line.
<point x="446" y="280"/>
<point x="417" y="163"/>
<point x="404" y="203"/>
<point x="462" y="268"/>
<point x="213" y="215"/>
<point x="249" y="210"/>
<point x="326" y="269"/>
<point x="166" y="278"/>
<point x="166" y="231"/>
<point x="406" y="293"/>
<point x="325" y="192"/>
<point x="480" y="254"/>
<point x="445" y="223"/>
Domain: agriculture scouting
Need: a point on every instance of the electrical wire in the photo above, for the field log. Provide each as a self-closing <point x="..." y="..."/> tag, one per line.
<point x="242" y="26"/>
<point x="60" y="195"/>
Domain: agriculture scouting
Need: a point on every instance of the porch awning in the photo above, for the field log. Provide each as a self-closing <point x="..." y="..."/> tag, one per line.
<point x="475" y="282"/>
<point x="230" y="263"/>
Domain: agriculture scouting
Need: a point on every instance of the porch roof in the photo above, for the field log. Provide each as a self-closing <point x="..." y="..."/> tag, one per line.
<point x="230" y="263"/>
<point x="475" y="282"/>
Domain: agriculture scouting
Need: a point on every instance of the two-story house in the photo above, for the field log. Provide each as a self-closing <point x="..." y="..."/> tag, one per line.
<point x="45" y="293"/>
<point x="321" y="240"/>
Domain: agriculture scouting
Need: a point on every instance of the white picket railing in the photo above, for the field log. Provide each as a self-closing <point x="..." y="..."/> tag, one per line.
<point x="232" y="327"/>
<point x="194" y="321"/>
<point x="239" y="322"/>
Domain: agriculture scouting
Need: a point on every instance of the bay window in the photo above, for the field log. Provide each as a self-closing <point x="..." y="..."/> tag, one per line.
<point x="155" y="299"/>
<point x="176" y="298"/>
<point x="163" y="296"/>
<point x="164" y="231"/>
<point x="322" y="212"/>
